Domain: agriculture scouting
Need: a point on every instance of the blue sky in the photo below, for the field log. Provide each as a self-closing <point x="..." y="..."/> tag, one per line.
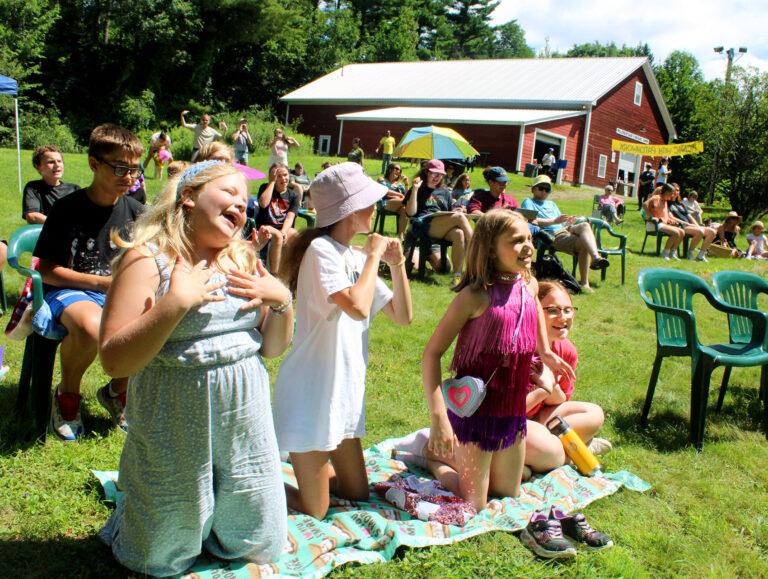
<point x="666" y="25"/>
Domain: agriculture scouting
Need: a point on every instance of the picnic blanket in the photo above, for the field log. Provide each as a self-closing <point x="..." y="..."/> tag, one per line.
<point x="371" y="532"/>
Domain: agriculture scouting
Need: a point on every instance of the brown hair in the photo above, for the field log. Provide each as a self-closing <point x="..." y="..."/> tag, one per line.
<point x="549" y="286"/>
<point x="479" y="271"/>
<point x="209" y="150"/>
<point x="37" y="156"/>
<point x="294" y="254"/>
<point x="108" y="138"/>
<point x="176" y="168"/>
<point x="459" y="180"/>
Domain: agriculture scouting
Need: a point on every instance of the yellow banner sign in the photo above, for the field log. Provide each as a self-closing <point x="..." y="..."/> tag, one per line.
<point x="658" y="150"/>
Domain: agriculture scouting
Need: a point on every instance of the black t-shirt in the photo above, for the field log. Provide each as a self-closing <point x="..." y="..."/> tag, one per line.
<point x="425" y="201"/>
<point x="679" y="210"/>
<point x="274" y="213"/>
<point x="76" y="233"/>
<point x="39" y="197"/>
<point x="648" y="187"/>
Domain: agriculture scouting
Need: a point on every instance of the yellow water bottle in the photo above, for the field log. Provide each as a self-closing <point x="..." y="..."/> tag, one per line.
<point x="575" y="448"/>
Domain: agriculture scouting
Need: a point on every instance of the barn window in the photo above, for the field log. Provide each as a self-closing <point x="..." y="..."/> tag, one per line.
<point x="638" y="93"/>
<point x="601" y="165"/>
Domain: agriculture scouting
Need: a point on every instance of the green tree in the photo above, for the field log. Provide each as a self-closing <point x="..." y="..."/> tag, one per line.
<point x="472" y="34"/>
<point x="682" y="82"/>
<point x="596" y="49"/>
<point x="736" y="116"/>
<point x="509" y="42"/>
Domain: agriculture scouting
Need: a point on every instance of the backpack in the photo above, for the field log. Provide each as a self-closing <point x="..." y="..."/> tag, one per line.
<point x="549" y="266"/>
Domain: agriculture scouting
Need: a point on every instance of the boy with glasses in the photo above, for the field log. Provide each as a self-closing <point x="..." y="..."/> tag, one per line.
<point x="76" y="252"/>
<point x="571" y="235"/>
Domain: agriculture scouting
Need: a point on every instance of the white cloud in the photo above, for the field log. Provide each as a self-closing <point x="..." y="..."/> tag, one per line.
<point x="690" y="25"/>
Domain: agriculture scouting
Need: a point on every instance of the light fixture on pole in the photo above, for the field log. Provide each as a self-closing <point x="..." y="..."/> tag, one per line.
<point x="731" y="53"/>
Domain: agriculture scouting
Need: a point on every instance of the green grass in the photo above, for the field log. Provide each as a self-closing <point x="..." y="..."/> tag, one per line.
<point x="706" y="514"/>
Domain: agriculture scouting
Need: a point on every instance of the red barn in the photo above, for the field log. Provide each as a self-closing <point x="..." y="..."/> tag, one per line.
<point x="512" y="110"/>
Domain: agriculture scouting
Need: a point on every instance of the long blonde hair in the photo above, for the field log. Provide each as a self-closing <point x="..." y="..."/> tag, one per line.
<point x="479" y="271"/>
<point x="164" y="223"/>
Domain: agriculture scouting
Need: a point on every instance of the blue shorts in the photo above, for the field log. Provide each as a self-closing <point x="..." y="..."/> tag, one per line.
<point x="46" y="321"/>
<point x="241" y="157"/>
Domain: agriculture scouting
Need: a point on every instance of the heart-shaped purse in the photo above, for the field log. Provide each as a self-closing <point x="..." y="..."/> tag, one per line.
<point x="463" y="395"/>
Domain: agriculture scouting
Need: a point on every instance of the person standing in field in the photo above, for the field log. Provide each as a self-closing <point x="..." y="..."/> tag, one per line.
<point x="387" y="146"/>
<point x="204" y="133"/>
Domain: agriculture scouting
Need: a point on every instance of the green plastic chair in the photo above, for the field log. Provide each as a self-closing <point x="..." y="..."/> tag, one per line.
<point x="652" y="230"/>
<point x="598" y="226"/>
<point x="739" y="288"/>
<point x="39" y="353"/>
<point x="381" y="216"/>
<point x="669" y="293"/>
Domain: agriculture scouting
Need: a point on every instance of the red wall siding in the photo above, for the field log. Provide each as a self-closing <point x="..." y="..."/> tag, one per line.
<point x="498" y="141"/>
<point x="618" y="110"/>
<point x="572" y="129"/>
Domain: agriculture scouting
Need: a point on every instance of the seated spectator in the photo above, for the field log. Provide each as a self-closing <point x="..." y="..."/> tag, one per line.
<point x="656" y="208"/>
<point x="693" y="207"/>
<point x="550" y="396"/>
<point x="40" y="195"/>
<point x="300" y="177"/>
<point x="679" y="216"/>
<point x="76" y="252"/>
<point x="216" y="151"/>
<point x="728" y="231"/>
<point x="495" y="197"/>
<point x="397" y="185"/>
<point x="571" y="235"/>
<point x="758" y="243"/>
<point x="278" y="204"/>
<point x="462" y="190"/>
<point x="138" y="190"/>
<point x="420" y="203"/>
<point x="611" y="208"/>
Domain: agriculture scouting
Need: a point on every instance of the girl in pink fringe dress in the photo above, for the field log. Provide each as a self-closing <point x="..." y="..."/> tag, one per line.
<point x="500" y="325"/>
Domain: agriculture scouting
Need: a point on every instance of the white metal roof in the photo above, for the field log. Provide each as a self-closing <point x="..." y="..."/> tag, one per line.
<point x="542" y="83"/>
<point x="460" y="115"/>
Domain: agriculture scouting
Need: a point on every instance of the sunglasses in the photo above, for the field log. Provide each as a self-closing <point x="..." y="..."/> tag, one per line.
<point x="546" y="189"/>
<point x="122" y="170"/>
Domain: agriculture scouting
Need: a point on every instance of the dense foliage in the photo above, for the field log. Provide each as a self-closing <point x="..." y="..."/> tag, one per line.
<point x="83" y="62"/>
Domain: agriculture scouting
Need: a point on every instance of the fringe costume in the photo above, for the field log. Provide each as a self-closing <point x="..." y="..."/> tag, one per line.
<point x="486" y="343"/>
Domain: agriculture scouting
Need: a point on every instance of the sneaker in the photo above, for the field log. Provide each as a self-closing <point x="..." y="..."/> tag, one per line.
<point x="599" y="263"/>
<point x="702" y="257"/>
<point x="114" y="406"/>
<point x="600" y="446"/>
<point x="65" y="429"/>
<point x="664" y="254"/>
<point x="577" y="528"/>
<point x="690" y="256"/>
<point x="544" y="536"/>
<point x="456" y="280"/>
<point x="675" y="256"/>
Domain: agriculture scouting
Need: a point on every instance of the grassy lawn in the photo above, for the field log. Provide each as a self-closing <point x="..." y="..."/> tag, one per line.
<point x="706" y="515"/>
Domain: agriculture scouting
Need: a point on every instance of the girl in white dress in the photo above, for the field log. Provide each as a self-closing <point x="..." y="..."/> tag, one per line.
<point x="319" y="393"/>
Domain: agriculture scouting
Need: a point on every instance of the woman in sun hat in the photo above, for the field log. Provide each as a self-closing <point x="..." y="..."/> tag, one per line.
<point x="728" y="231"/>
<point x="319" y="393"/>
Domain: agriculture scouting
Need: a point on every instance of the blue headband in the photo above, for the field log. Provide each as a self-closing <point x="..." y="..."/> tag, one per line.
<point x="193" y="172"/>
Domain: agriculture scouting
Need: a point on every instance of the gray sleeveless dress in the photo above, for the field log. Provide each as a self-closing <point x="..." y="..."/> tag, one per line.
<point x="200" y="465"/>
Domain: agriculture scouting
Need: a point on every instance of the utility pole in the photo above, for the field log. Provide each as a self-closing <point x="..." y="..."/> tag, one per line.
<point x="731" y="52"/>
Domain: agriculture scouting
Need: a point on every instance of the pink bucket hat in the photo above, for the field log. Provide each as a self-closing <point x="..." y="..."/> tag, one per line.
<point x="341" y="190"/>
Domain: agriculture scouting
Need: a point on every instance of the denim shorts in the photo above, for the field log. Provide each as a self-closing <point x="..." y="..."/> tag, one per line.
<point x="46" y="321"/>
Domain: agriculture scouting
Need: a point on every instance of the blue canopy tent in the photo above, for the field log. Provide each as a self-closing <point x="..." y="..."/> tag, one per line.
<point x="11" y="87"/>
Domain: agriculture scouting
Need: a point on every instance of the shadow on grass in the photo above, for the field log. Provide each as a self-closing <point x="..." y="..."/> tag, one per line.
<point x="669" y="431"/>
<point x="19" y="432"/>
<point x="58" y="557"/>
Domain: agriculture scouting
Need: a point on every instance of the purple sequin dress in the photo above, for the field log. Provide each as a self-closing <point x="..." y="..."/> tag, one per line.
<point x="486" y="343"/>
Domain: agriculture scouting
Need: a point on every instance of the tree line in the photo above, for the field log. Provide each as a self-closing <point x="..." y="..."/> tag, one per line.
<point x="83" y="62"/>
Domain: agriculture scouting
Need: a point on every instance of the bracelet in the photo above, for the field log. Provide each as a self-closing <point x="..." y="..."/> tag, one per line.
<point x="284" y="307"/>
<point x="398" y="264"/>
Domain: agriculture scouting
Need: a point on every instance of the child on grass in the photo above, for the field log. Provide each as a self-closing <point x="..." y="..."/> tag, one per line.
<point x="758" y="243"/>
<point x="499" y="323"/>
<point x="319" y="393"/>
<point x="186" y="318"/>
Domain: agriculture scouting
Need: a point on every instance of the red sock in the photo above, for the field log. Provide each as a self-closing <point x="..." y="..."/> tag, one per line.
<point x="121" y="397"/>
<point x="69" y="403"/>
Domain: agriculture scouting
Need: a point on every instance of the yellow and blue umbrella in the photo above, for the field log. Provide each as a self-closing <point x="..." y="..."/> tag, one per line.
<point x="434" y="143"/>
